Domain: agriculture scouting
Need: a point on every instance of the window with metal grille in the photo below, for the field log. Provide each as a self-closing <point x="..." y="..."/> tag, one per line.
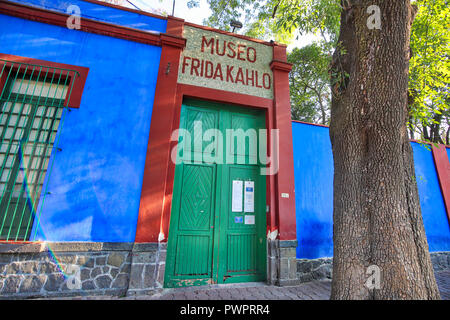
<point x="33" y="103"/>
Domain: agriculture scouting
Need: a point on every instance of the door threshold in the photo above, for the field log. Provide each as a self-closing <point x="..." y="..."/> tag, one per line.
<point x="221" y="286"/>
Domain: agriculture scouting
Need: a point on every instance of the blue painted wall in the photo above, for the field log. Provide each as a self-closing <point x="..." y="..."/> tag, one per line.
<point x="313" y="167"/>
<point x="448" y="153"/>
<point x="101" y="13"/>
<point x="96" y="179"/>
<point x="431" y="201"/>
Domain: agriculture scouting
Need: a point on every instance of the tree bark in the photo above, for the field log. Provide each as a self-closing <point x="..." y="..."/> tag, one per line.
<point x="377" y="216"/>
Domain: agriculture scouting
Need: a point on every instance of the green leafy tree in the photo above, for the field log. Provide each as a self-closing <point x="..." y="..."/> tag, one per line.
<point x="309" y="84"/>
<point x="429" y="95"/>
<point x="376" y="211"/>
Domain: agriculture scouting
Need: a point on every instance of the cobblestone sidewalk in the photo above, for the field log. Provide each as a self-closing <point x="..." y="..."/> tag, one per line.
<point x="314" y="290"/>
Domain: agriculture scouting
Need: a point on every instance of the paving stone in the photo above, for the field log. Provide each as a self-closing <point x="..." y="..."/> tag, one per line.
<point x="314" y="290"/>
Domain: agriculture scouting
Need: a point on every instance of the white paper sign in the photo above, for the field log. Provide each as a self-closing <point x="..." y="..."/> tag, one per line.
<point x="236" y="202"/>
<point x="249" y="220"/>
<point x="249" y="196"/>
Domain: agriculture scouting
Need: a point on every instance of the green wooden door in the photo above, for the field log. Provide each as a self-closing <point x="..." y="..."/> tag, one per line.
<point x="216" y="237"/>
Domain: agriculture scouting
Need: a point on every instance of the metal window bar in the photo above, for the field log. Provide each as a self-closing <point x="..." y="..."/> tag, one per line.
<point x="34" y="101"/>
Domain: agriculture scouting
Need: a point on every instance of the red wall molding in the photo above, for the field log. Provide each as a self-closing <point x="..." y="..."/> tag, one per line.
<point x="154" y="195"/>
<point x="77" y="83"/>
<point x="443" y="171"/>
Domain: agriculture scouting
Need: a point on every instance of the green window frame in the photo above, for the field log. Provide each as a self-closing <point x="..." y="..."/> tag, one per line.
<point x="33" y="102"/>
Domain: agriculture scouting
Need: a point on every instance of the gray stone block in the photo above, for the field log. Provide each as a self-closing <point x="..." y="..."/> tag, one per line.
<point x="284" y="269"/>
<point x="292" y="268"/>
<point x="21" y="248"/>
<point x="83" y="259"/>
<point x="103" y="282"/>
<point x="96" y="272"/>
<point x="287" y="252"/>
<point x="88" y="285"/>
<point x="136" y="276"/>
<point x="304" y="266"/>
<point x="67" y="258"/>
<point x="11" y="284"/>
<point x="100" y="261"/>
<point x="49" y="267"/>
<point x="121" y="281"/>
<point x="75" y="246"/>
<point x="126" y="268"/>
<point x="149" y="276"/>
<point x="147" y="247"/>
<point x="54" y="282"/>
<point x="114" y="272"/>
<point x="85" y="274"/>
<point x="288" y="243"/>
<point x="14" y="268"/>
<point x="161" y="271"/>
<point x="116" y="259"/>
<point x="117" y="246"/>
<point x="144" y="257"/>
<point x="5" y="257"/>
<point x="305" y="277"/>
<point x="30" y="267"/>
<point x="32" y="284"/>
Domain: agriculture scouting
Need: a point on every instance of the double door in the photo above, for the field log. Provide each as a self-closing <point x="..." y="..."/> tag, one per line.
<point x="218" y="217"/>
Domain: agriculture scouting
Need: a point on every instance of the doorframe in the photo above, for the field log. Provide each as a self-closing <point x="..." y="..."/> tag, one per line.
<point x="218" y="201"/>
<point x="159" y="172"/>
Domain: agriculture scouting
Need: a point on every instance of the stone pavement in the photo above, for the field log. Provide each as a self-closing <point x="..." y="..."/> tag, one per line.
<point x="314" y="290"/>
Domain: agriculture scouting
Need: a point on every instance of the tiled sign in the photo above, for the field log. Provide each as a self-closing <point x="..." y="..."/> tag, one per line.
<point x="223" y="62"/>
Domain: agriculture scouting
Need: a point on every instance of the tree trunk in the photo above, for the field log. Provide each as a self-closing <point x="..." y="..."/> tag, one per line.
<point x="377" y="217"/>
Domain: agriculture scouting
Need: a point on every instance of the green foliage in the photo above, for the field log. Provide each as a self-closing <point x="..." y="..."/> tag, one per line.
<point x="282" y="20"/>
<point x="429" y="70"/>
<point x="309" y="84"/>
<point x="255" y="15"/>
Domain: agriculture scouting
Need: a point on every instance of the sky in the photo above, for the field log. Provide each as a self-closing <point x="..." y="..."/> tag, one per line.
<point x="198" y="14"/>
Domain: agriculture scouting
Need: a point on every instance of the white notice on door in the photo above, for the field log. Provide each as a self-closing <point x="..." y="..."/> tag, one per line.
<point x="236" y="202"/>
<point x="249" y="220"/>
<point x="249" y="196"/>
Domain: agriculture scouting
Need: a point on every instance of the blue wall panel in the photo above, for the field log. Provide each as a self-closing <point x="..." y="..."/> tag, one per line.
<point x="448" y="153"/>
<point x="431" y="201"/>
<point x="313" y="168"/>
<point x="96" y="179"/>
<point x="102" y="13"/>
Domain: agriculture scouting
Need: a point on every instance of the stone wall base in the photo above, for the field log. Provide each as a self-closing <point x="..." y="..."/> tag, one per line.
<point x="282" y="262"/>
<point x="322" y="268"/>
<point x="62" y="269"/>
<point x="48" y="269"/>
